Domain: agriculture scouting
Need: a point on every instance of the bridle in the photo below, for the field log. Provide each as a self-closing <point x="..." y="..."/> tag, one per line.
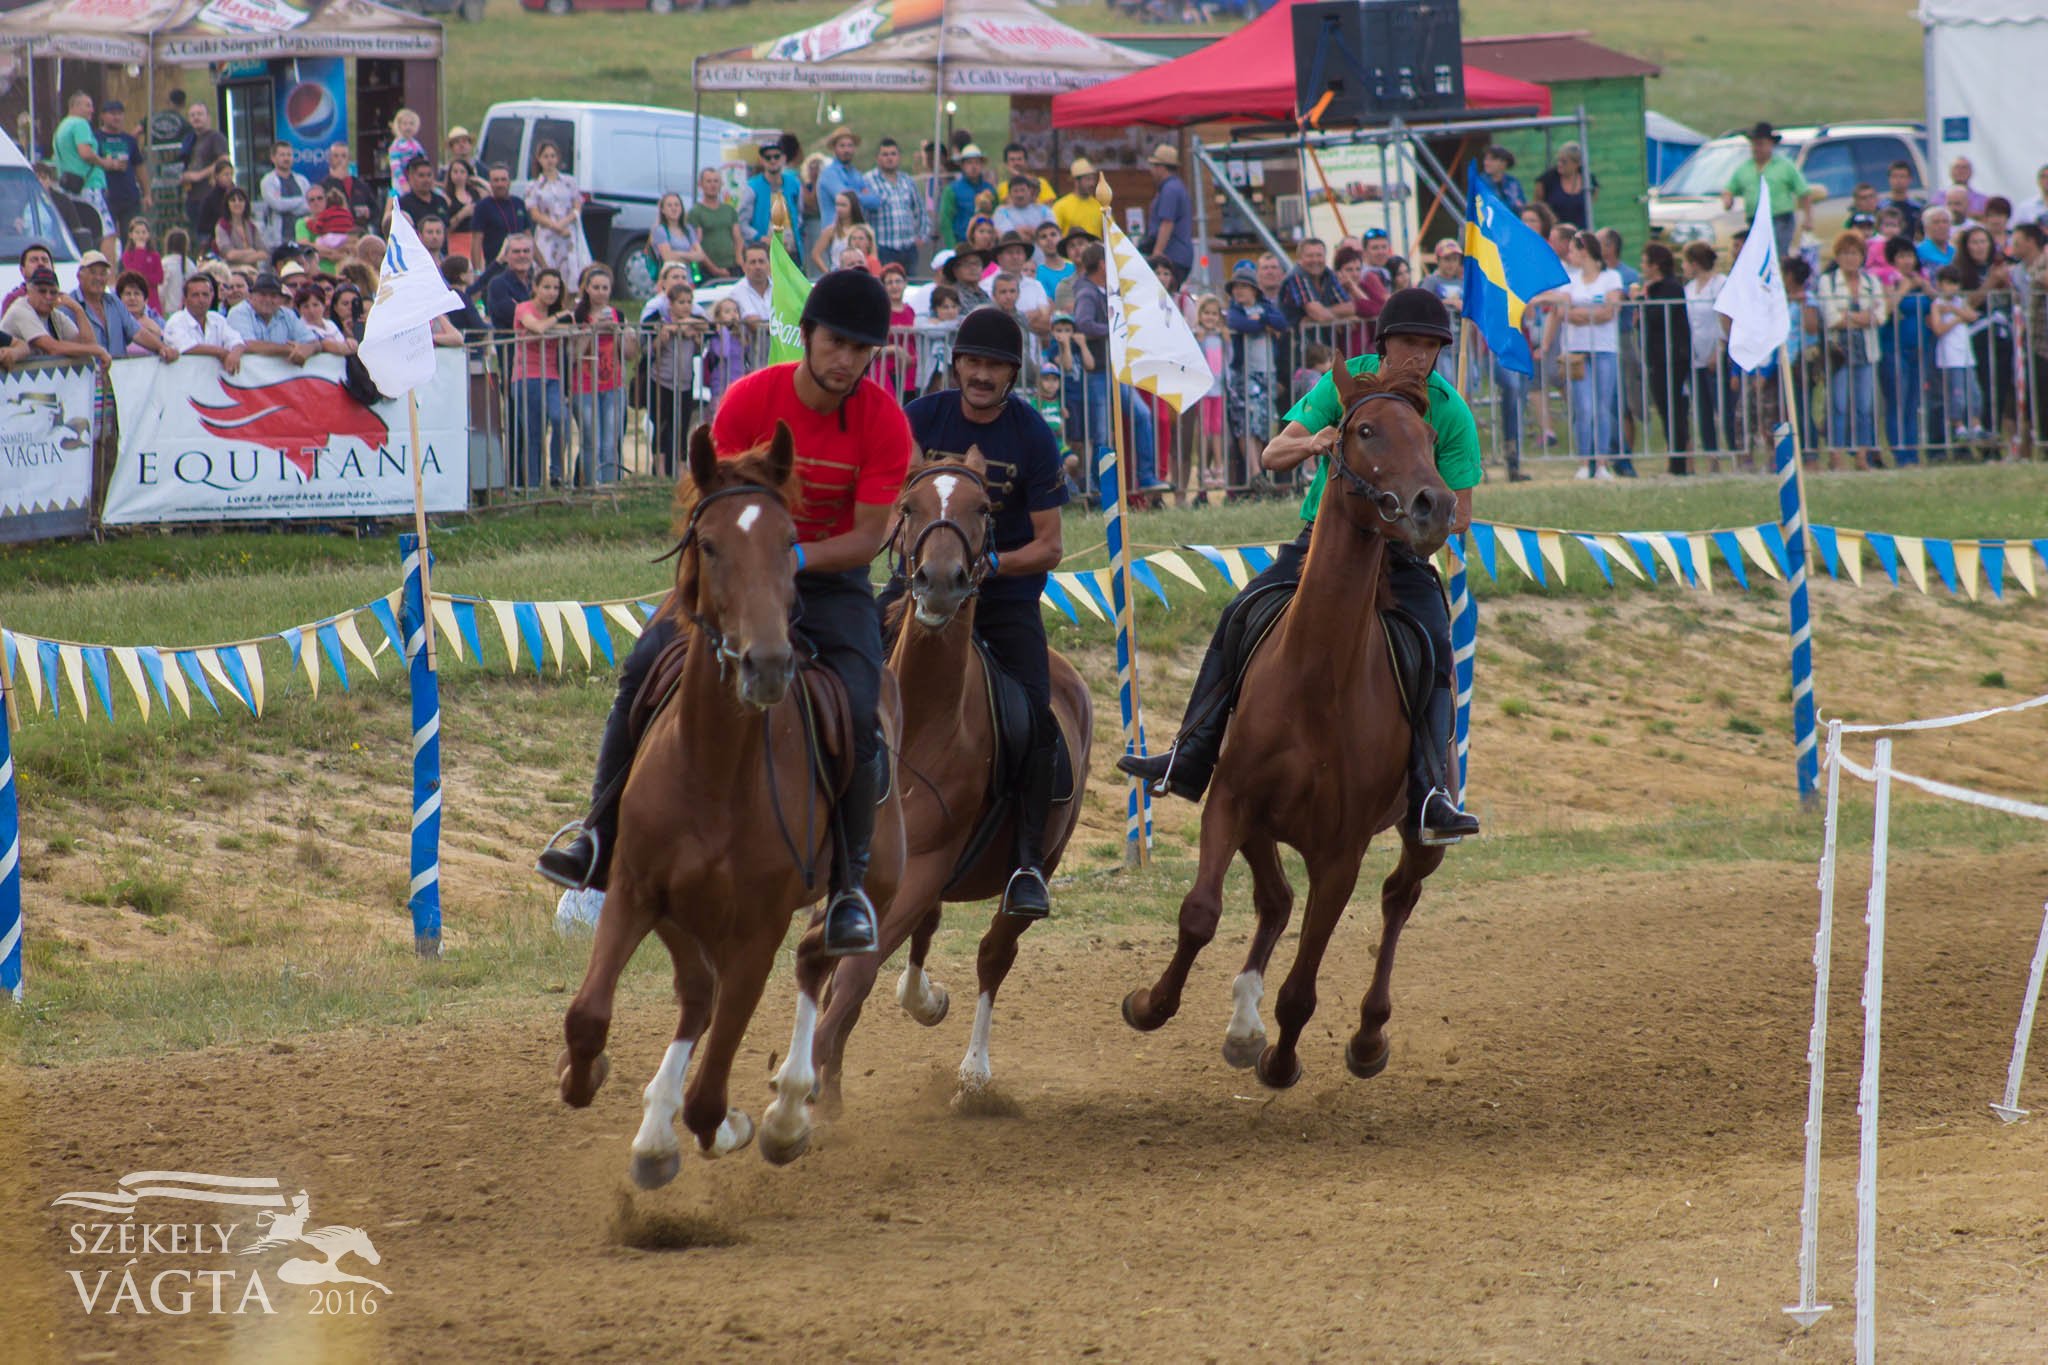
<point x="722" y="649"/>
<point x="1388" y="505"/>
<point x="979" y="561"/>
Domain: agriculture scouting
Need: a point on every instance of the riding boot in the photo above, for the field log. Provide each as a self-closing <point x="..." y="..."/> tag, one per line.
<point x="1027" y="896"/>
<point x="586" y="860"/>
<point x="1439" y="821"/>
<point x="1184" y="769"/>
<point x="849" y="914"/>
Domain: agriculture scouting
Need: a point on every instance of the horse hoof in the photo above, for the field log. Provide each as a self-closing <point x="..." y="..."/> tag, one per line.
<point x="1243" y="1052"/>
<point x="827" y="1103"/>
<point x="1365" y="1070"/>
<point x="1271" y="1081"/>
<point x="575" y="1095"/>
<point x="1131" y="1013"/>
<point x="944" y="1000"/>
<point x="741" y="1129"/>
<point x="651" y="1173"/>
<point x="781" y="1152"/>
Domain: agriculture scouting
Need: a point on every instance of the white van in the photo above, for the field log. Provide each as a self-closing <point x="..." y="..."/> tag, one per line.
<point x="623" y="155"/>
<point x="28" y="217"/>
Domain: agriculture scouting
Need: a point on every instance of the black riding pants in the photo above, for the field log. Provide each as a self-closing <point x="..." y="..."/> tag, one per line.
<point x="1014" y="631"/>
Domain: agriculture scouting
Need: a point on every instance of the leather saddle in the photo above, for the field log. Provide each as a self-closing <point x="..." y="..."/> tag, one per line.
<point x="1010" y="722"/>
<point x="828" y="724"/>
<point x="1408" y="646"/>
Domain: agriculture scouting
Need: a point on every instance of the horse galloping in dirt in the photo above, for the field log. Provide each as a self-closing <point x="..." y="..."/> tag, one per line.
<point x="959" y="831"/>
<point x="1317" y="757"/>
<point x="723" y="827"/>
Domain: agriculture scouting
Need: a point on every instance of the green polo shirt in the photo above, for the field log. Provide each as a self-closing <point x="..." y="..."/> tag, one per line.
<point x="1788" y="185"/>
<point x="73" y="134"/>
<point x="1457" y="436"/>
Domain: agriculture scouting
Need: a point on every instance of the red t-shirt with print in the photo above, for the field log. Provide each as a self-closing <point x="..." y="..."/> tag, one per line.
<point x="860" y="459"/>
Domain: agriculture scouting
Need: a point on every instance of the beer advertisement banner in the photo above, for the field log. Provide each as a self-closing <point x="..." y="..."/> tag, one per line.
<point x="46" y="440"/>
<point x="279" y="440"/>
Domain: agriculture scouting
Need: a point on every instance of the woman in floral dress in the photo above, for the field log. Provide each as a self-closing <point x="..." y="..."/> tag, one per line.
<point x="556" y="204"/>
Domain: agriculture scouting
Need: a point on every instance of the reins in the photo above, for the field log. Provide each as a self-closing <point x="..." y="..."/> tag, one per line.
<point x="1388" y="505"/>
<point x="979" y="560"/>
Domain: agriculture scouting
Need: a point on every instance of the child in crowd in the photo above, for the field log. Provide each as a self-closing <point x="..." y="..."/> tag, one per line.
<point x="178" y="265"/>
<point x="1066" y="357"/>
<point x="1316" y="360"/>
<point x="897" y="362"/>
<point x="1256" y="324"/>
<point x="1046" y="398"/>
<point x="1214" y="341"/>
<point x="725" y="349"/>
<point x="1949" y="319"/>
<point x="405" y="141"/>
<point x="937" y="344"/>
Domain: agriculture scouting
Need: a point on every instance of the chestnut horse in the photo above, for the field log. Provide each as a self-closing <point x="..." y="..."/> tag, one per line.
<point x="941" y="544"/>
<point x="1316" y="756"/>
<point x="721" y="772"/>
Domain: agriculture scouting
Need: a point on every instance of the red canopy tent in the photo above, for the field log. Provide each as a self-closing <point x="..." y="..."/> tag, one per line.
<point x="1250" y="75"/>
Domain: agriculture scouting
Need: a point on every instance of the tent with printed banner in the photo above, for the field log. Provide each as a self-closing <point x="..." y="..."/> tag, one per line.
<point x="948" y="47"/>
<point x="198" y="32"/>
<point x="1247" y="75"/>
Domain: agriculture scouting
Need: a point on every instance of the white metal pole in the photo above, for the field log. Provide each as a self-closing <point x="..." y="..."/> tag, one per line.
<point x="1806" y="1311"/>
<point x="1866" y="1105"/>
<point x="2010" y="1111"/>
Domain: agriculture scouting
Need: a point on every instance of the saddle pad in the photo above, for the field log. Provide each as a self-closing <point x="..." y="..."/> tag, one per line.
<point x="1010" y="719"/>
<point x="1414" y="659"/>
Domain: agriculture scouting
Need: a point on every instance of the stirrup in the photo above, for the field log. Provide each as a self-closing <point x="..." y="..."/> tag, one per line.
<point x="540" y="863"/>
<point x="866" y="909"/>
<point x="1030" y="876"/>
<point x="1440" y="839"/>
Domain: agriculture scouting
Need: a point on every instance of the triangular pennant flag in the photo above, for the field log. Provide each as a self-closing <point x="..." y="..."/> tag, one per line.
<point x="594" y="630"/>
<point x="1751" y="540"/>
<point x="1913" y="554"/>
<point x="1057" y="595"/>
<point x="131" y="669"/>
<point x="153" y="668"/>
<point x="352" y="640"/>
<point x="1171" y="561"/>
<point x="1660" y="543"/>
<point x="1483" y="540"/>
<point x="1887" y="552"/>
<point x="571" y="614"/>
<point x="647" y="609"/>
<point x="1639" y="545"/>
<point x="528" y="618"/>
<point x="7" y="657"/>
<point x="1699" y="562"/>
<point x="1968" y="554"/>
<point x="32" y="669"/>
<point x="1234" y="568"/>
<point x="1072" y="583"/>
<point x="549" y="614"/>
<point x="1773" y="537"/>
<point x="1258" y="558"/>
<point x="74" y="673"/>
<point x="308" y="659"/>
<point x="1731" y="554"/>
<point x="252" y="667"/>
<point x="329" y="635"/>
<point x="1599" y="555"/>
<point x="1517" y="551"/>
<point x="1613" y="550"/>
<point x="1993" y="552"/>
<point x="444" y="618"/>
<point x="48" y="655"/>
<point x="1830" y="553"/>
<point x="1097" y="586"/>
<point x="171" y="679"/>
<point x="96" y="669"/>
<point x="465" y="617"/>
<point x="189" y="666"/>
<point x="1553" y="552"/>
<point x="1148" y="578"/>
<point x="628" y="622"/>
<point x="508" y="626"/>
<point x="385" y="609"/>
<point x="1942" y="554"/>
<point x="1681" y="550"/>
<point x="2022" y="565"/>
<point x="294" y="639"/>
<point x="224" y="666"/>
<point x="1851" y="545"/>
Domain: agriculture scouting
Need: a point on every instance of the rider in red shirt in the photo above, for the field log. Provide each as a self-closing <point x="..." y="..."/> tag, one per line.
<point x="853" y="448"/>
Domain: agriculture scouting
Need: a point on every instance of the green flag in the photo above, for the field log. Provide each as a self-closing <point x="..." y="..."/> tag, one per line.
<point x="787" y="290"/>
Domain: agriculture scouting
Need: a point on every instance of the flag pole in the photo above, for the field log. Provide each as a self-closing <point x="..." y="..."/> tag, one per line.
<point x="1795" y="529"/>
<point x="1110" y="470"/>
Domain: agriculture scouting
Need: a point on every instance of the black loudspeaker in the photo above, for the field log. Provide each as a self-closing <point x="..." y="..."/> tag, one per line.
<point x="1378" y="58"/>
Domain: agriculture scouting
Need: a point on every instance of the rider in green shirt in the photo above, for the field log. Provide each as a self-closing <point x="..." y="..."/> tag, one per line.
<point x="1413" y="327"/>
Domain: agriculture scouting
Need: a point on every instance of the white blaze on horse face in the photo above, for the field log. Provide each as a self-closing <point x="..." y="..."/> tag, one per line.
<point x="945" y="483"/>
<point x="748" y="516"/>
<point x="974" y="1068"/>
<point x="663" y="1097"/>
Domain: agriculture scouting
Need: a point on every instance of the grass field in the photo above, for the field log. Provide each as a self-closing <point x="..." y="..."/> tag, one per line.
<point x="1724" y="64"/>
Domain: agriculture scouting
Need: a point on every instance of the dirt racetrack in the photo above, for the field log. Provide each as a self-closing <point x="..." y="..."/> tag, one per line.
<point x="1586" y="1149"/>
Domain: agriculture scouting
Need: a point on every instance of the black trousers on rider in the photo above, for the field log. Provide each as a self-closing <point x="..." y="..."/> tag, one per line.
<point x="1014" y="631"/>
<point x="835" y="618"/>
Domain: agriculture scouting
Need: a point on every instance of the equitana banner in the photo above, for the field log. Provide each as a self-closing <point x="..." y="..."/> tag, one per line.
<point x="46" y="441"/>
<point x="279" y="440"/>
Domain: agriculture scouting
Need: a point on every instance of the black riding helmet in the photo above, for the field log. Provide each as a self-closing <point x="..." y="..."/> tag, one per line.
<point x="991" y="333"/>
<point x="1415" y="313"/>
<point x="851" y="303"/>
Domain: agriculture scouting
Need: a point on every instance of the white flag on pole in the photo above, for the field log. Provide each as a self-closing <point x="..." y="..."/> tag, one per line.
<point x="398" y="336"/>
<point x="1753" y="300"/>
<point x="1150" y="344"/>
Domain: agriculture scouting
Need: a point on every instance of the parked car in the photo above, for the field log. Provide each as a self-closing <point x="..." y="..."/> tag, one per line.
<point x="1835" y="157"/>
<point x="624" y="156"/>
<point x="29" y="216"/>
<point x="567" y="6"/>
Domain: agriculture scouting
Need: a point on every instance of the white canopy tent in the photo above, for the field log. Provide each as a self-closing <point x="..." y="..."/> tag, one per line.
<point x="1984" y="60"/>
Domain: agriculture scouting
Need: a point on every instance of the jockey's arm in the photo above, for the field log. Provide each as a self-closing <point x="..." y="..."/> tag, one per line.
<point x="1295" y="444"/>
<point x="1045" y="551"/>
<point x="856" y="548"/>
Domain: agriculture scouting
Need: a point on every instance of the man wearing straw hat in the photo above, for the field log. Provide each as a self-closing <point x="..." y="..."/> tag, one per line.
<point x="840" y="176"/>
<point x="1172" y="214"/>
<point x="1077" y="210"/>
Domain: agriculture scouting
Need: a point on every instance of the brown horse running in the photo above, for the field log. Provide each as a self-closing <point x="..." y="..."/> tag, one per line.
<point x="723" y="829"/>
<point x="1317" y="753"/>
<point x="941" y="540"/>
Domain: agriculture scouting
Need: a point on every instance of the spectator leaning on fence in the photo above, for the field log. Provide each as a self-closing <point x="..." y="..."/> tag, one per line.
<point x="269" y="328"/>
<point x="1312" y="292"/>
<point x="751" y="294"/>
<point x="48" y="330"/>
<point x="513" y="285"/>
<point x="1852" y="307"/>
<point x="195" y="329"/>
<point x="113" y="326"/>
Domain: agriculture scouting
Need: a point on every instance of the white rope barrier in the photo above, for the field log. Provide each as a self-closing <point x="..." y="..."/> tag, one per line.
<point x="1946" y="722"/>
<point x="1933" y="788"/>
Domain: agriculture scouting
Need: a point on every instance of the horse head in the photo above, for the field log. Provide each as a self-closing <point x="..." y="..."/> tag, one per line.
<point x="944" y="533"/>
<point x="734" y="574"/>
<point x="1385" y="458"/>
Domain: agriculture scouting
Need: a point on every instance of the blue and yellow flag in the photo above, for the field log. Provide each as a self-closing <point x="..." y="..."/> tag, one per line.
<point x="1506" y="265"/>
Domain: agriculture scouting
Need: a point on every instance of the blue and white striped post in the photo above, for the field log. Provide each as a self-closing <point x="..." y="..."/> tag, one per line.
<point x="1464" y="650"/>
<point x="416" y="624"/>
<point x="1792" y="526"/>
<point x="10" y="848"/>
<point x="1138" y="809"/>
